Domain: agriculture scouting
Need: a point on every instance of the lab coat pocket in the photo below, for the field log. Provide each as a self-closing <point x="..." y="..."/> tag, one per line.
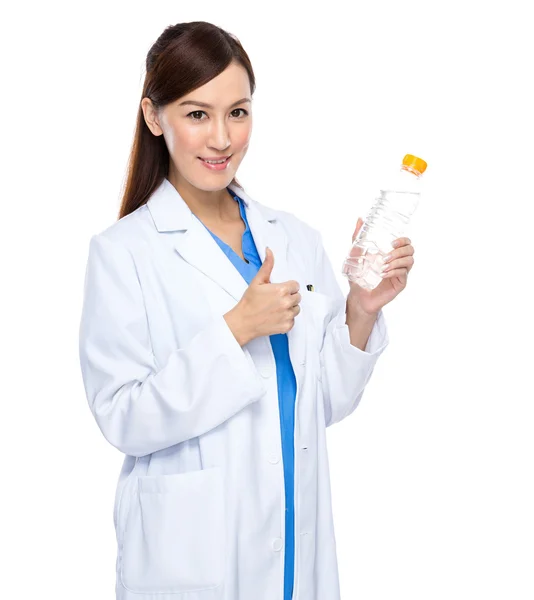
<point x="320" y="310"/>
<point x="174" y="537"/>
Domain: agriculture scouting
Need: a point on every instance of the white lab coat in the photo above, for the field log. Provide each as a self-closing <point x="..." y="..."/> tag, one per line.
<point x="199" y="505"/>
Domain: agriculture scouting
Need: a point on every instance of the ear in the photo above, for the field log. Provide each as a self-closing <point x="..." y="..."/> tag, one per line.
<point x="151" y="116"/>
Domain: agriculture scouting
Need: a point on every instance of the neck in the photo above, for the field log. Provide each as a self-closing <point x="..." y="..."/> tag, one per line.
<point x="217" y="206"/>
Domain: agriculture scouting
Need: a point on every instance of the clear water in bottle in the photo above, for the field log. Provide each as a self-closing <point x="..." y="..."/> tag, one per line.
<point x="387" y="220"/>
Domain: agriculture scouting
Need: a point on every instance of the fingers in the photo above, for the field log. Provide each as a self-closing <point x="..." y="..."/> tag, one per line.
<point x="399" y="261"/>
<point x="399" y="253"/>
<point x="287" y="288"/>
<point x="401" y="264"/>
<point x="295" y="299"/>
<point x="402" y="241"/>
<point x="401" y="273"/>
<point x="292" y="286"/>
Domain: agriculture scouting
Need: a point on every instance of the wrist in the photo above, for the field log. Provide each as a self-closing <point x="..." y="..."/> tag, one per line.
<point x="238" y="327"/>
<point x="356" y="309"/>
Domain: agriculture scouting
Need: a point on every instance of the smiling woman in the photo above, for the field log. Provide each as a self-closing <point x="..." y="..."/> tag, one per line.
<point x="189" y="65"/>
<point x="197" y="361"/>
<point x="215" y="139"/>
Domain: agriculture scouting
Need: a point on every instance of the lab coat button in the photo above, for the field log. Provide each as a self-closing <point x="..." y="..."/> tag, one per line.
<point x="274" y="459"/>
<point x="277" y="544"/>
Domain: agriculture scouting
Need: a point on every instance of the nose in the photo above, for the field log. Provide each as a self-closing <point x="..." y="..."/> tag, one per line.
<point x="219" y="137"/>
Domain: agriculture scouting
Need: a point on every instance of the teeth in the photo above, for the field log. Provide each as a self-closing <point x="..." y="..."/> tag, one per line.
<point x="215" y="162"/>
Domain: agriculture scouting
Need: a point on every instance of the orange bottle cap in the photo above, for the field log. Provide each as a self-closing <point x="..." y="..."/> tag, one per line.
<point x="416" y="163"/>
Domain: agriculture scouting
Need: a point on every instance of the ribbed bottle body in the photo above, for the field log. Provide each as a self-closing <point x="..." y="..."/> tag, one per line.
<point x="386" y="221"/>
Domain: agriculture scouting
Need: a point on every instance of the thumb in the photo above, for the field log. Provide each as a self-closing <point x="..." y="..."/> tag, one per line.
<point x="358" y="227"/>
<point x="264" y="273"/>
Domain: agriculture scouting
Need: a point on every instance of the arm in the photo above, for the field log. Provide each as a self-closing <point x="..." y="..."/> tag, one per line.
<point x="360" y="325"/>
<point x="345" y="368"/>
<point x="138" y="408"/>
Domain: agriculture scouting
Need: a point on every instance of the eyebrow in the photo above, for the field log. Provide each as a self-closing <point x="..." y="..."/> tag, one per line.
<point x="205" y="105"/>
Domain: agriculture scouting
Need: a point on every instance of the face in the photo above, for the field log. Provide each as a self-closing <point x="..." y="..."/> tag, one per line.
<point x="192" y="132"/>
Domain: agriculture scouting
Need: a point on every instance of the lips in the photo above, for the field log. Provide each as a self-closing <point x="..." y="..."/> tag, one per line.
<point x="215" y="158"/>
<point x="217" y="167"/>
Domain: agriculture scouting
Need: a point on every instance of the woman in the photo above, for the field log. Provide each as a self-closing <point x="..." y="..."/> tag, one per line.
<point x="213" y="362"/>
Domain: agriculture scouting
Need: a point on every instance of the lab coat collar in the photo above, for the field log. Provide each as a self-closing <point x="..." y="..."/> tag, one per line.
<point x="171" y="213"/>
<point x="194" y="243"/>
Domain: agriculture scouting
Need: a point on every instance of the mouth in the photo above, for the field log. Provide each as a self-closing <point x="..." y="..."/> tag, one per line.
<point x="216" y="161"/>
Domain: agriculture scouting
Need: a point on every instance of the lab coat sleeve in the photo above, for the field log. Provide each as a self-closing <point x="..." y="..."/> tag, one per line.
<point x="141" y="409"/>
<point x="345" y="369"/>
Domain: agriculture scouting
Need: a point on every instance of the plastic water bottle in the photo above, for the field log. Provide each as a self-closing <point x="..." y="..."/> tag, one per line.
<point x="387" y="220"/>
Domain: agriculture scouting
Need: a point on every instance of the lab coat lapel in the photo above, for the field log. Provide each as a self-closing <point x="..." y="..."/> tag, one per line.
<point x="265" y="233"/>
<point x="200" y="250"/>
<point x="195" y="245"/>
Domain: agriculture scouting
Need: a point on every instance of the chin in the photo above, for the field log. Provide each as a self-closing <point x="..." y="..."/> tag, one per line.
<point x="223" y="183"/>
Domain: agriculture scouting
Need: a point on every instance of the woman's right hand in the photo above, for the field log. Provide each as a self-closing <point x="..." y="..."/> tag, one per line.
<point x="266" y="308"/>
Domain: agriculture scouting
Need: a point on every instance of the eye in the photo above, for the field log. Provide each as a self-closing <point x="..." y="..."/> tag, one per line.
<point x="196" y="112"/>
<point x="200" y="112"/>
<point x="242" y="109"/>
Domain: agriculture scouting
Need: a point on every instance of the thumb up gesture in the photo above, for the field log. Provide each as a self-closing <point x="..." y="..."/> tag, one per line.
<point x="268" y="308"/>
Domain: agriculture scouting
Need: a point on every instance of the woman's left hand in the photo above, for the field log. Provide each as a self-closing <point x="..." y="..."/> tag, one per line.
<point x="393" y="282"/>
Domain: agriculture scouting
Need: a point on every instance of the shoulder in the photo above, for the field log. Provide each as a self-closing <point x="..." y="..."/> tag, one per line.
<point x="131" y="231"/>
<point x="296" y="228"/>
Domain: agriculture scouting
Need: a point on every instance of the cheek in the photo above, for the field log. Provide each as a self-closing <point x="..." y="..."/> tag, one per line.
<point x="182" y="139"/>
<point x="242" y="138"/>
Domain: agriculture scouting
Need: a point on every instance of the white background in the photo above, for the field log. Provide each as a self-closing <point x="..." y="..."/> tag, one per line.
<point x="432" y="475"/>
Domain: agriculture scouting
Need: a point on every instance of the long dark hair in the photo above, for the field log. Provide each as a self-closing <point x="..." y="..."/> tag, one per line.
<point x="183" y="58"/>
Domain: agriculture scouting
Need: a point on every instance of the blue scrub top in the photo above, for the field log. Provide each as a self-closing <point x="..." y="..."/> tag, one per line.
<point x="287" y="388"/>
